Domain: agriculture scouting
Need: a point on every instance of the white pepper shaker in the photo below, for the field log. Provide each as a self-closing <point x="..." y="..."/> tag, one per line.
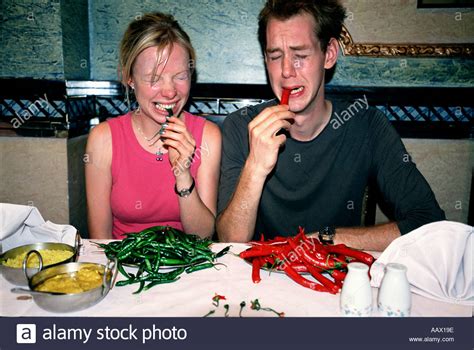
<point x="356" y="294"/>
<point x="394" y="299"/>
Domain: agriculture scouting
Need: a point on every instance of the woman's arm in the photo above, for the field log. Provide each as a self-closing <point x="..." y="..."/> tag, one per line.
<point x="98" y="161"/>
<point x="198" y="211"/>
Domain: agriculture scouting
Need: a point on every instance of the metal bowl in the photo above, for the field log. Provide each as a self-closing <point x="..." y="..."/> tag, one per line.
<point x="16" y="275"/>
<point x="69" y="302"/>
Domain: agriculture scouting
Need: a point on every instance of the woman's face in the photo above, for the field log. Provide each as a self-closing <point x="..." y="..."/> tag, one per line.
<point x="168" y="88"/>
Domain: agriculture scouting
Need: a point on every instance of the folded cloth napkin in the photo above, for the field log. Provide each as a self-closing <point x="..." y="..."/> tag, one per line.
<point x="22" y="224"/>
<point x="439" y="261"/>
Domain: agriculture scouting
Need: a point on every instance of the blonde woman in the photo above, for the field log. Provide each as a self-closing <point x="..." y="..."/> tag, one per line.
<point x="158" y="164"/>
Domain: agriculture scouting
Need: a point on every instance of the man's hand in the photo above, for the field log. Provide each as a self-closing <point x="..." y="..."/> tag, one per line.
<point x="237" y="222"/>
<point x="264" y="142"/>
<point x="376" y="238"/>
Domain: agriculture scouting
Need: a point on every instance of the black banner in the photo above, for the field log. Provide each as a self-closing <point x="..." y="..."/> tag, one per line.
<point x="234" y="333"/>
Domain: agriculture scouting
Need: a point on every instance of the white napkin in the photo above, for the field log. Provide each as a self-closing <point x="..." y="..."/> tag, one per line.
<point x="22" y="224"/>
<point x="439" y="261"/>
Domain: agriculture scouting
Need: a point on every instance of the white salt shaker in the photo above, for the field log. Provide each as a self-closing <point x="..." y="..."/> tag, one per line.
<point x="394" y="299"/>
<point x="356" y="294"/>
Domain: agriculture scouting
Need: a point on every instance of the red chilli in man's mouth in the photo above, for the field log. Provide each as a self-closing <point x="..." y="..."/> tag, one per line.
<point x="285" y="96"/>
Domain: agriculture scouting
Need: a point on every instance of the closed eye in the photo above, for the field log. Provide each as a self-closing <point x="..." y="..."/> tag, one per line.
<point x="274" y="58"/>
<point x="182" y="76"/>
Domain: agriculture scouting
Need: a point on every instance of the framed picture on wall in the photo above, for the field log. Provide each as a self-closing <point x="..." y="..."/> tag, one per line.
<point x="445" y="3"/>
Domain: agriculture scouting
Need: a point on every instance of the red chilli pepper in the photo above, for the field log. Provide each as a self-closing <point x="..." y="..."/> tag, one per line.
<point x="331" y="287"/>
<point x="356" y="254"/>
<point x="285" y="96"/>
<point x="298" y="267"/>
<point x="295" y="276"/>
<point x="216" y="298"/>
<point x="268" y="243"/>
<point x="276" y="240"/>
<point x="318" y="246"/>
<point x="257" y="263"/>
<point x="270" y="264"/>
<point x="340" y="258"/>
<point x="337" y="275"/>
<point x="316" y="259"/>
<point x="262" y="250"/>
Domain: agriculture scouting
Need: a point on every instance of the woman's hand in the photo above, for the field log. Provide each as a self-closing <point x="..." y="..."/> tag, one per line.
<point x="180" y="145"/>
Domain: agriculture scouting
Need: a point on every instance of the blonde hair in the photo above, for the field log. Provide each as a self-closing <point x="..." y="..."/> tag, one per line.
<point x="151" y="30"/>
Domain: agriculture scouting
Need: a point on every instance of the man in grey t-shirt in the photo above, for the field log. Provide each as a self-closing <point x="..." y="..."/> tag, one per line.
<point x="309" y="174"/>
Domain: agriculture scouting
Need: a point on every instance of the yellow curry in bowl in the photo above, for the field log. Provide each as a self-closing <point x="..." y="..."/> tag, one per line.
<point x="49" y="256"/>
<point x="87" y="278"/>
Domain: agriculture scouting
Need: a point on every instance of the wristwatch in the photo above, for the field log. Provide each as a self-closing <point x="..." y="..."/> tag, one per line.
<point x="327" y="235"/>
<point x="184" y="192"/>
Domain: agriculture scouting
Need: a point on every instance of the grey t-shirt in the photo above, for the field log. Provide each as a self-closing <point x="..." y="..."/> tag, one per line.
<point x="322" y="182"/>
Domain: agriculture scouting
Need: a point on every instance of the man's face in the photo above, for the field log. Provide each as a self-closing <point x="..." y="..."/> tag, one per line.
<point x="295" y="61"/>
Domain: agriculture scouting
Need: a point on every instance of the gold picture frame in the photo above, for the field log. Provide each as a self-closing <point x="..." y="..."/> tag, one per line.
<point x="350" y="48"/>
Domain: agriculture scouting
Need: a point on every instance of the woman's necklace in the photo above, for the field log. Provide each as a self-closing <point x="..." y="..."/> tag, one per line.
<point x="154" y="139"/>
<point x="151" y="140"/>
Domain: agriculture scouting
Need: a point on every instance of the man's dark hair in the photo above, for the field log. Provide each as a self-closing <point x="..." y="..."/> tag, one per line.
<point x="329" y="16"/>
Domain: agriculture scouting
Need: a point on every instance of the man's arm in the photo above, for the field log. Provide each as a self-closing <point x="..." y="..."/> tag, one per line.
<point x="405" y="191"/>
<point x="375" y="238"/>
<point x="407" y="196"/>
<point x="236" y="223"/>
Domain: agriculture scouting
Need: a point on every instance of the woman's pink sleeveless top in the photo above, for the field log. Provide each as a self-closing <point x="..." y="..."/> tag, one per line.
<point x="142" y="187"/>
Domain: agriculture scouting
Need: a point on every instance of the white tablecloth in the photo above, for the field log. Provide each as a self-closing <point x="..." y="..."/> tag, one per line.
<point x="191" y="295"/>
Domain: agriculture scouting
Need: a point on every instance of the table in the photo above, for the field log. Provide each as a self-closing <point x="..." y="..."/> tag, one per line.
<point x="191" y="296"/>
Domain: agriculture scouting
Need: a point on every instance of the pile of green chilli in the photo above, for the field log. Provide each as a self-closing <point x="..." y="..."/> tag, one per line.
<point x="158" y="247"/>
